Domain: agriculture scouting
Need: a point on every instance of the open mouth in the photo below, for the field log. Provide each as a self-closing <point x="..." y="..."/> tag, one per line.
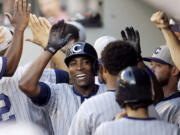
<point x="81" y="76"/>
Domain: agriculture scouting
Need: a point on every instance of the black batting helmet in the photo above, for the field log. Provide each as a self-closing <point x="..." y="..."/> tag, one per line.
<point x="83" y="49"/>
<point x="134" y="86"/>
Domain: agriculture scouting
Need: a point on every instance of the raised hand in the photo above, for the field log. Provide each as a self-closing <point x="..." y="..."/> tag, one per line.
<point x="132" y="36"/>
<point x="21" y="15"/>
<point x="40" y="28"/>
<point x="160" y="19"/>
<point x="56" y="38"/>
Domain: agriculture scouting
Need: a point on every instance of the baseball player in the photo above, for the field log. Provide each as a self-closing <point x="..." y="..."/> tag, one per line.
<point x="115" y="57"/>
<point x="168" y="77"/>
<point x="10" y="60"/>
<point x="14" y="104"/>
<point x="134" y="94"/>
<point x="61" y="101"/>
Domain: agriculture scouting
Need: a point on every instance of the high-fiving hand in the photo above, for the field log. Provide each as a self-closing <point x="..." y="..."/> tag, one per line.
<point x="57" y="40"/>
<point x="132" y="36"/>
<point x="21" y="15"/>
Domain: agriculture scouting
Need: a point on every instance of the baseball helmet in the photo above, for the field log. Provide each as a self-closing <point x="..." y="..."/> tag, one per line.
<point x="82" y="49"/>
<point x="134" y="86"/>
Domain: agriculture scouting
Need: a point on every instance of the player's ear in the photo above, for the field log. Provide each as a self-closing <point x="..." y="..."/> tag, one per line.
<point x="175" y="71"/>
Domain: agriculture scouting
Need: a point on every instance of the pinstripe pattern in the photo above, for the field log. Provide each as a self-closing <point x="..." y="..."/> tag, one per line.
<point x="20" y="106"/>
<point x="2" y="66"/>
<point x="63" y="105"/>
<point x="169" y="110"/>
<point x="96" y="110"/>
<point x="126" y="126"/>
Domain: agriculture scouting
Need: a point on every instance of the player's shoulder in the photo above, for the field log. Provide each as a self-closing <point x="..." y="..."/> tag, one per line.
<point x="59" y="86"/>
<point x="98" y="104"/>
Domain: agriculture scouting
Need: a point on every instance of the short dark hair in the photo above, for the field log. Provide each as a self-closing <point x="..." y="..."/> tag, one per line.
<point x="70" y="29"/>
<point x="118" y="55"/>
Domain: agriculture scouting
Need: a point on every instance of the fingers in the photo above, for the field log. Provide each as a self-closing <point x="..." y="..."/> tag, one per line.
<point x="20" y="5"/>
<point x="45" y="23"/>
<point x="9" y="16"/>
<point x="67" y="38"/>
<point x="123" y="34"/>
<point x="2" y="36"/>
<point x="128" y="31"/>
<point x="16" y="6"/>
<point x="29" y="9"/>
<point x="35" y="21"/>
<point x="133" y="33"/>
<point x="24" y="6"/>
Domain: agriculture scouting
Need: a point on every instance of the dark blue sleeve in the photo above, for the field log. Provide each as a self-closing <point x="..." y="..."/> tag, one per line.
<point x="61" y="76"/>
<point x="4" y="61"/>
<point x="44" y="96"/>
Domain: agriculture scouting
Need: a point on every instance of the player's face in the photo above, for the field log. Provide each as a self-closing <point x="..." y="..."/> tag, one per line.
<point x="81" y="71"/>
<point x="162" y="72"/>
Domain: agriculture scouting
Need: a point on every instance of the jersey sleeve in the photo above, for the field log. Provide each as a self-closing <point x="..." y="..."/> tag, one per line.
<point x="2" y="66"/>
<point x="55" y="76"/>
<point x="51" y="96"/>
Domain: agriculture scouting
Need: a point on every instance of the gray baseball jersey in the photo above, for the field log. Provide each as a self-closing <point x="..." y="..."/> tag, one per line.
<point x="169" y="109"/>
<point x="135" y="126"/>
<point x="96" y="110"/>
<point x="16" y="105"/>
<point x="62" y="104"/>
<point x="2" y="66"/>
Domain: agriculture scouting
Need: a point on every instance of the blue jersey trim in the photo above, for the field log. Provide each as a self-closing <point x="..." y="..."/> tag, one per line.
<point x="44" y="95"/>
<point x="4" y="62"/>
<point x="85" y="97"/>
<point x="61" y="76"/>
<point x="175" y="95"/>
<point x="111" y="90"/>
<point x="133" y="118"/>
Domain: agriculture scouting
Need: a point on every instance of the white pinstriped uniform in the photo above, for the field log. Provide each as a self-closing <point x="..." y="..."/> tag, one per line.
<point x="16" y="105"/>
<point x="2" y="66"/>
<point x="64" y="102"/>
<point x="130" y="126"/>
<point x="169" y="110"/>
<point x="96" y="110"/>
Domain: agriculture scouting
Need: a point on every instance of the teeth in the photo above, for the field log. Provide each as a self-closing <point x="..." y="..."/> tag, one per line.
<point x="81" y="75"/>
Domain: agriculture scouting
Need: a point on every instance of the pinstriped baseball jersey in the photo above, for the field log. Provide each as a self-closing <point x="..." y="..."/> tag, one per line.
<point x="134" y="126"/>
<point x="169" y="109"/>
<point x="96" y="110"/>
<point x="2" y="66"/>
<point x="63" y="103"/>
<point x="15" y="105"/>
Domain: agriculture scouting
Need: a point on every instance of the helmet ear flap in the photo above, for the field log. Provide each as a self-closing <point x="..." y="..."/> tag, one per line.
<point x="95" y="67"/>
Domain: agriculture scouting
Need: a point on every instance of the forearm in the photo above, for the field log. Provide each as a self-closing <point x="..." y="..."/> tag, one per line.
<point x="29" y="81"/>
<point x="173" y="45"/>
<point x="58" y="59"/>
<point x="13" y="53"/>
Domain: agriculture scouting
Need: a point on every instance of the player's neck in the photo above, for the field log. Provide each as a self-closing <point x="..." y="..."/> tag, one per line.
<point x="111" y="82"/>
<point x="139" y="113"/>
<point x="85" y="91"/>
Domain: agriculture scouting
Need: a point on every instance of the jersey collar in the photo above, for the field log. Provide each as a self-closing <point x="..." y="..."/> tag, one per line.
<point x="175" y="95"/>
<point x="86" y="97"/>
<point x="133" y="118"/>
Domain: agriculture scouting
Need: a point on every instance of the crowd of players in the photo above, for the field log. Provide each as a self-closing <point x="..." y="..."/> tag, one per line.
<point x="104" y="88"/>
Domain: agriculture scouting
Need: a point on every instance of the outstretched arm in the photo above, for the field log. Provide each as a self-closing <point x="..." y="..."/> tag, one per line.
<point x="29" y="83"/>
<point x="20" y="21"/>
<point x="40" y="28"/>
<point x="161" y="21"/>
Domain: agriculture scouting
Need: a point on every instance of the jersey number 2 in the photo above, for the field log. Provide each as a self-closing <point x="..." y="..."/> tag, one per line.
<point x="6" y="108"/>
